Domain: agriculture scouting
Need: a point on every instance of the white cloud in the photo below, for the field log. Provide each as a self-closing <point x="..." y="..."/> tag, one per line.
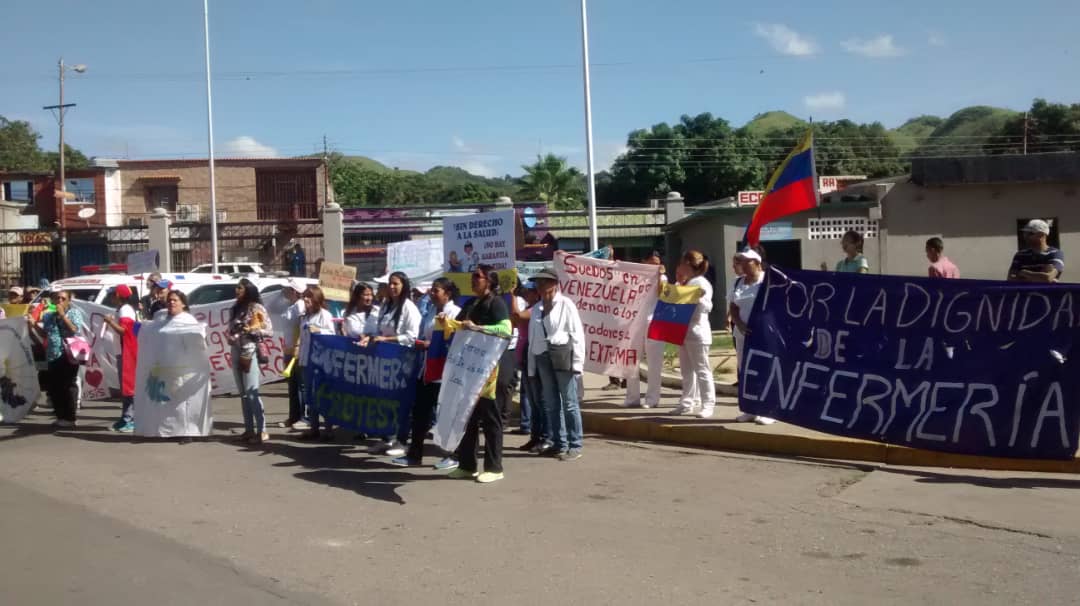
<point x="830" y="101"/>
<point x="881" y="46"/>
<point x="785" y="40"/>
<point x="247" y="147"/>
<point x="935" y="39"/>
<point x="459" y="144"/>
<point x="480" y="167"/>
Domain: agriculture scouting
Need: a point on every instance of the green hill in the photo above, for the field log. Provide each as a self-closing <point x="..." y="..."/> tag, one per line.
<point x="914" y="132"/>
<point x="772" y="122"/>
<point x="967" y="131"/>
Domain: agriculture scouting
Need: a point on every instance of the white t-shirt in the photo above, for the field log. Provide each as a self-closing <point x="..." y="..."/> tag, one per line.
<point x="324" y="321"/>
<point x="358" y="324"/>
<point x="292" y="318"/>
<point x="521" y="304"/>
<point x="743" y="294"/>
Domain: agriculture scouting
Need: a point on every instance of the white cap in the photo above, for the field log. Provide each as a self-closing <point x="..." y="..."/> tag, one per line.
<point x="748" y="255"/>
<point x="1037" y="226"/>
<point x="296" y="285"/>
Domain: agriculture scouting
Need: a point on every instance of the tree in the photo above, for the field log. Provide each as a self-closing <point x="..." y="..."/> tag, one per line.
<point x="19" y="149"/>
<point x="551" y="179"/>
<point x="1050" y="127"/>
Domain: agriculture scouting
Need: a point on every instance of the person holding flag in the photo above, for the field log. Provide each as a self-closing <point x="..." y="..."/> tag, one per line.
<point x="791" y="189"/>
<point x="654" y="355"/>
<point x="697" y="375"/>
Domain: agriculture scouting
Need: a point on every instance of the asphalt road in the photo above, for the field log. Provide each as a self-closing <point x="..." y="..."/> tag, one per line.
<point x="92" y="518"/>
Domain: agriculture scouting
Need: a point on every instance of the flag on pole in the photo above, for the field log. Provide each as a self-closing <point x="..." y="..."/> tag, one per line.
<point x="674" y="310"/>
<point x="792" y="189"/>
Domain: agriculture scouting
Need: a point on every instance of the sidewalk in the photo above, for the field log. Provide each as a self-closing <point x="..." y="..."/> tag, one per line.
<point x="601" y="413"/>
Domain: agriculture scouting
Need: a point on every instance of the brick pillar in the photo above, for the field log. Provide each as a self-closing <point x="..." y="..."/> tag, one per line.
<point x="333" y="233"/>
<point x="159" y="238"/>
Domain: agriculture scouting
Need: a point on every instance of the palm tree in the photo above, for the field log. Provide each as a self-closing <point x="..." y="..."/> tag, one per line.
<point x="551" y="179"/>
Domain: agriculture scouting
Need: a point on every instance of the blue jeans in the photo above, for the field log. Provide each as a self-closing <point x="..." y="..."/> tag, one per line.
<point x="247" y="383"/>
<point x="127" y="403"/>
<point x="533" y="415"/>
<point x="560" y="397"/>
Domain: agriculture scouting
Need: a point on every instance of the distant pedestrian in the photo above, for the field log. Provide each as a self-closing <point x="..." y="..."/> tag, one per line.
<point x="853" y="262"/>
<point x="940" y="265"/>
<point x="1039" y="262"/>
<point x="296" y="261"/>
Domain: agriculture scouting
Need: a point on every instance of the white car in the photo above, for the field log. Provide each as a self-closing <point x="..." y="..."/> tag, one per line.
<point x="95" y="288"/>
<point x="244" y="267"/>
<point x="226" y="289"/>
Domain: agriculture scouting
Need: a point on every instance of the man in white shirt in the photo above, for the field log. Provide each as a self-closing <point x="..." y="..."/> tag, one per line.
<point x="291" y="319"/>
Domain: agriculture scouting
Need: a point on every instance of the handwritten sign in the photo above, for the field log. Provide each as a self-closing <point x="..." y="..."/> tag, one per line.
<point x="974" y="367"/>
<point x="336" y="280"/>
<point x="614" y="299"/>
<point x="417" y="258"/>
<point x="479" y="239"/>
<point x="470" y="363"/>
<point x="367" y="389"/>
<point x="99" y="377"/>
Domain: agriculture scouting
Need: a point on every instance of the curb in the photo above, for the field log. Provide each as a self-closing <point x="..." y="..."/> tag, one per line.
<point x="824" y="447"/>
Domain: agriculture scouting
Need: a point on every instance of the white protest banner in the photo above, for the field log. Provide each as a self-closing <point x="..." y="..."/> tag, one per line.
<point x="614" y="299"/>
<point x="471" y="360"/>
<point x="479" y="239"/>
<point x="421" y="260"/>
<point x="18" y="376"/>
<point x="142" y="262"/>
<point x="172" y="381"/>
<point x="99" y="377"/>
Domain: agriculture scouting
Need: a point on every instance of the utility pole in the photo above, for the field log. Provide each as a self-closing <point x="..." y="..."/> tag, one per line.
<point x="1025" y="132"/>
<point x="210" y="142"/>
<point x="594" y="240"/>
<point x="326" y="171"/>
<point x="61" y="109"/>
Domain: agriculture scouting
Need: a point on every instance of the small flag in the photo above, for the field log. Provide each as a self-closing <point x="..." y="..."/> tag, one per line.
<point x="437" y="350"/>
<point x="674" y="310"/>
<point x="792" y="189"/>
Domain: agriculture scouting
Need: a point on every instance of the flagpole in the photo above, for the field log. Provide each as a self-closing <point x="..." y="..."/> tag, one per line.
<point x="594" y="238"/>
<point x="210" y="141"/>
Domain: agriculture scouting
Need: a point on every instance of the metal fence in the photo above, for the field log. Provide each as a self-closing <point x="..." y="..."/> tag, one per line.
<point x="265" y="243"/>
<point x="28" y="256"/>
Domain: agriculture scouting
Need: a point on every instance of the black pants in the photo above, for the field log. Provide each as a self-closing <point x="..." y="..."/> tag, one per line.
<point x="505" y="384"/>
<point x="62" y="389"/>
<point x="423" y="413"/>
<point x="486" y="415"/>
<point x="296" y="385"/>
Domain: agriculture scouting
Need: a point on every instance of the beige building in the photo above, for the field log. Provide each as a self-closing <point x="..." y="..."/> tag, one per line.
<point x="253" y="189"/>
<point x="977" y="205"/>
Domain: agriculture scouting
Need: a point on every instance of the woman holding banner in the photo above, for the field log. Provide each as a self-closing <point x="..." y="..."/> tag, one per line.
<point x="697" y="374"/>
<point x="64" y="321"/>
<point x="248" y="326"/>
<point x="486" y="311"/>
<point x="740" y="303"/>
<point x="556" y="361"/>
<point x="317" y="320"/>
<point x="361" y="314"/>
<point x="399" y="322"/>
<point x="443" y="292"/>
<point x="654" y="356"/>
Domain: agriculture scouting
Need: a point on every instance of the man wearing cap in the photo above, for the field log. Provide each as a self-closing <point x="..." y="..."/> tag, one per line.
<point x="292" y="317"/>
<point x="1039" y="262"/>
<point x="15" y="295"/>
<point x="148" y="298"/>
<point x="123" y="324"/>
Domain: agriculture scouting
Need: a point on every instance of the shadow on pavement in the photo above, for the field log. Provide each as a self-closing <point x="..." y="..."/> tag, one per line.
<point x="1028" y="483"/>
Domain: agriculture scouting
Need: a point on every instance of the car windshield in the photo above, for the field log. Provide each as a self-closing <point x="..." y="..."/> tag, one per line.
<point x="212" y="293"/>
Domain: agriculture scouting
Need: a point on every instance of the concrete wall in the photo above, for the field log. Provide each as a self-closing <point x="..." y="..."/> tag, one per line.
<point x="235" y="186"/>
<point x="977" y="222"/>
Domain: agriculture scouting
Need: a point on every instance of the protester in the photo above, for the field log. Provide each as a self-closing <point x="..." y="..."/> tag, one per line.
<point x="64" y="322"/>
<point x="399" y="322"/>
<point x="507" y="381"/>
<point x="158" y="293"/>
<point x="15" y="295"/>
<point x="361" y="314"/>
<point x="31" y="294"/>
<point x="184" y="338"/>
<point x="148" y="299"/>
<point x="654" y="357"/>
<point x="557" y="359"/>
<point x="853" y="262"/>
<point x="485" y="311"/>
<point x="294" y="314"/>
<point x="123" y="324"/>
<point x="940" y="265"/>
<point x="1039" y="262"/>
<point x="697" y="374"/>
<point x="442" y="293"/>
<point x="534" y="421"/>
<point x="249" y="325"/>
<point x="744" y="291"/>
<point x="316" y="320"/>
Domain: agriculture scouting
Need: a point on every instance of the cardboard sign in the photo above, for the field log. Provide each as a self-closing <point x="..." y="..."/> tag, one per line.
<point x="336" y="280"/>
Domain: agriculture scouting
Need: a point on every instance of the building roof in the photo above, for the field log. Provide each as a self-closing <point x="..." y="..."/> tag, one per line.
<point x="183" y="162"/>
<point x="984" y="170"/>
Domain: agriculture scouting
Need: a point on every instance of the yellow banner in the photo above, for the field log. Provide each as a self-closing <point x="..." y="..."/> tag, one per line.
<point x="507" y="281"/>
<point x="14" y="311"/>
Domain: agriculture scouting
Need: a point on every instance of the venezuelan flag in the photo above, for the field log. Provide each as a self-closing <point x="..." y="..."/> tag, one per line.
<point x="792" y="189"/>
<point x="674" y="309"/>
<point x="435" y="361"/>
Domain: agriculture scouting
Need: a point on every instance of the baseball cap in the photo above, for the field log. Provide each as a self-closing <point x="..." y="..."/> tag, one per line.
<point x="1037" y="226"/>
<point x="295" y="284"/>
<point x="528" y="285"/>
<point x="17" y="290"/>
<point x="545" y="274"/>
<point x="163" y="284"/>
<point x="748" y="255"/>
<point x="123" y="291"/>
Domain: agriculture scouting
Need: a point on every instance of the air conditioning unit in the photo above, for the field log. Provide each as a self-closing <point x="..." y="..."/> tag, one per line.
<point x="222" y="216"/>
<point x="136" y="222"/>
<point x="187" y="213"/>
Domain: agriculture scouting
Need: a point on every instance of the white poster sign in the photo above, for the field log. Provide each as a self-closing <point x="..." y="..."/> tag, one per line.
<point x="479" y="239"/>
<point x="614" y="299"/>
<point x="469" y="363"/>
<point x="18" y="376"/>
<point x="99" y="377"/>
<point x="142" y="262"/>
<point x="527" y="269"/>
<point x="421" y="260"/>
<point x="172" y="381"/>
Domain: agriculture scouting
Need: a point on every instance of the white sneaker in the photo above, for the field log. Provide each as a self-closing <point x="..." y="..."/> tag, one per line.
<point x="682" y="410"/>
<point x="745" y="418"/>
<point x="764" y="420"/>
<point x="395" y="451"/>
<point x="706" y="413"/>
<point x="647" y="405"/>
<point x="301" y="426"/>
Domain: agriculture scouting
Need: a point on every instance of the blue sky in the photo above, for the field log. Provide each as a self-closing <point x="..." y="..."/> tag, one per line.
<point x="487" y="84"/>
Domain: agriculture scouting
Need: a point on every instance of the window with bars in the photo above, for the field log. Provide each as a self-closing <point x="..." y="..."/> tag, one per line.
<point x="834" y="228"/>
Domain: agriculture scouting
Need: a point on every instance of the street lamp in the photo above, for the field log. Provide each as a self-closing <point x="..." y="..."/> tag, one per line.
<point x="61" y="109"/>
